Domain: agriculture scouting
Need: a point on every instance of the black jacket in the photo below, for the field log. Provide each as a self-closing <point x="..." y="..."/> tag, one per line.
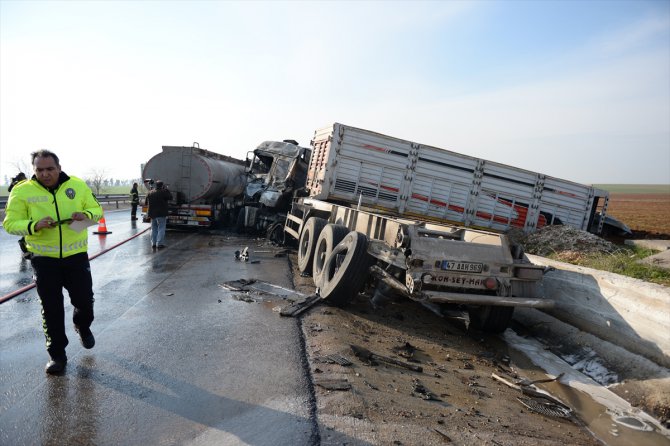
<point x="158" y="200"/>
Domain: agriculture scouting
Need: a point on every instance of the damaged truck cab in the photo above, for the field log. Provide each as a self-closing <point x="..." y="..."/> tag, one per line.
<point x="275" y="170"/>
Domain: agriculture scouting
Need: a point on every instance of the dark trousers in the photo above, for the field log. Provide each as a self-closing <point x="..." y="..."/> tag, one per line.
<point x="133" y="209"/>
<point x="51" y="276"/>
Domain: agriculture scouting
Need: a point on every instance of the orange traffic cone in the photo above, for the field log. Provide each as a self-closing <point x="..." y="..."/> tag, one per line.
<point x="102" y="228"/>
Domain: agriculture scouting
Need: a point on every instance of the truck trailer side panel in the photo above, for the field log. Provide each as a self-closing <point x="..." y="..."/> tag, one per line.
<point x="410" y="179"/>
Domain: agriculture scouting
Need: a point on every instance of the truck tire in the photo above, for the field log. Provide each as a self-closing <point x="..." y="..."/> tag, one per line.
<point x="308" y="236"/>
<point x="330" y="236"/>
<point x="489" y="318"/>
<point x="345" y="270"/>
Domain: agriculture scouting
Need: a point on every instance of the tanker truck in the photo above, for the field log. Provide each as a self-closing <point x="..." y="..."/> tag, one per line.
<point x="202" y="183"/>
<point x="210" y="189"/>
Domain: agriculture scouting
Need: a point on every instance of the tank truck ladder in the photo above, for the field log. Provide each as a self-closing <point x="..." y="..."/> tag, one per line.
<point x="186" y="161"/>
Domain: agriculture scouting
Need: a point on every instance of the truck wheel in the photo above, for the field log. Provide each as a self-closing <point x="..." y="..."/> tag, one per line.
<point x="345" y="270"/>
<point x="330" y="236"/>
<point x="308" y="236"/>
<point x="491" y="319"/>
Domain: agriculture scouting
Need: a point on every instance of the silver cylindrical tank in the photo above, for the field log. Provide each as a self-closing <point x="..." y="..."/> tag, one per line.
<point x="196" y="174"/>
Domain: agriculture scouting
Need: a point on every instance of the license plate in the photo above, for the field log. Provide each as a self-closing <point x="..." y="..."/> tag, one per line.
<point x="458" y="281"/>
<point x="462" y="267"/>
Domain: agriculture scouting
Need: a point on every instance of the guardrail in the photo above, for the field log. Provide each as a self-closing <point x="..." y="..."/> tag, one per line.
<point x="103" y="198"/>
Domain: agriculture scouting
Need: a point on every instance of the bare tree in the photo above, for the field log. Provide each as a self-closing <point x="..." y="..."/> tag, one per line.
<point x="97" y="179"/>
<point x="22" y="166"/>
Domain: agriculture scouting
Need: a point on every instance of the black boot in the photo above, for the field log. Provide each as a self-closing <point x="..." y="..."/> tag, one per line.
<point x="56" y="365"/>
<point x="87" y="339"/>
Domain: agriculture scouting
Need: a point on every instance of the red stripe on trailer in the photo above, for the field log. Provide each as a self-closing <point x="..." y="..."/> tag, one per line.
<point x="569" y="194"/>
<point x="371" y="147"/>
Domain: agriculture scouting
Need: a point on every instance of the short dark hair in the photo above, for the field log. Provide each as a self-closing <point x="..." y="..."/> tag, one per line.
<point x="43" y="153"/>
<point x="159" y="184"/>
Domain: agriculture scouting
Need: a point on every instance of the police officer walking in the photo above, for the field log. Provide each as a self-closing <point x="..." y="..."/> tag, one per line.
<point x="40" y="209"/>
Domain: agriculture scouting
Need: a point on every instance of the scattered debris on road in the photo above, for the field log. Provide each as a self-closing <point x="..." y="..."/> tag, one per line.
<point x="333" y="384"/>
<point x="419" y="390"/>
<point x="334" y="359"/>
<point x="243" y="255"/>
<point x="406" y="351"/>
<point x="263" y="287"/>
<point x="540" y="402"/>
<point x="299" y="301"/>
<point x="372" y="358"/>
<point x="299" y="306"/>
<point x="546" y="408"/>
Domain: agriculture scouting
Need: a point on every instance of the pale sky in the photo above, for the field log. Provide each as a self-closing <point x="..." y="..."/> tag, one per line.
<point x="578" y="90"/>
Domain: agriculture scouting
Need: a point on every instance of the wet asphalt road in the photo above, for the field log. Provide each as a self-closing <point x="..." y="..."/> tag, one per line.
<point x="177" y="360"/>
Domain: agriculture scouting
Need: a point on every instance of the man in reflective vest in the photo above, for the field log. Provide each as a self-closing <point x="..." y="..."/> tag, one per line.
<point x="40" y="209"/>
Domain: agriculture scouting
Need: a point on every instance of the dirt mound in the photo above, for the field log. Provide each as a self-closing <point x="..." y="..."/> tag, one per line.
<point x="649" y="235"/>
<point x="566" y="242"/>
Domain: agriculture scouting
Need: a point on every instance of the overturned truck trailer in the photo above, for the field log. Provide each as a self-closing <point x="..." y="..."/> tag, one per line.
<point x="406" y="219"/>
<point x="421" y="181"/>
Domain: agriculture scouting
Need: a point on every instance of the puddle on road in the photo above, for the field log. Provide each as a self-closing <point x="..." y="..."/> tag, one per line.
<point x="609" y="417"/>
<point x="633" y="423"/>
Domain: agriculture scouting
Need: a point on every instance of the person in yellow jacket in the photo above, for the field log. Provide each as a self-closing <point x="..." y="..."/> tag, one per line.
<point x="40" y="209"/>
<point x="19" y="178"/>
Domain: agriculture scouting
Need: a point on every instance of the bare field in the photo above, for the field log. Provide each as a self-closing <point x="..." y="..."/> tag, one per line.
<point x="635" y="188"/>
<point x="648" y="215"/>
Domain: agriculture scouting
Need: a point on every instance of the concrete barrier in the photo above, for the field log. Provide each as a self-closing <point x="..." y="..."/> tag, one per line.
<point x="627" y="312"/>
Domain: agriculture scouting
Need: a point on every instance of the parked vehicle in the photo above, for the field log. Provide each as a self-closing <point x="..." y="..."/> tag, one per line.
<point x="417" y="221"/>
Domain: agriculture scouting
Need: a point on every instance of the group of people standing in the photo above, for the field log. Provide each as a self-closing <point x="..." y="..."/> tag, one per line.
<point x="157" y="201"/>
<point x="40" y="210"/>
